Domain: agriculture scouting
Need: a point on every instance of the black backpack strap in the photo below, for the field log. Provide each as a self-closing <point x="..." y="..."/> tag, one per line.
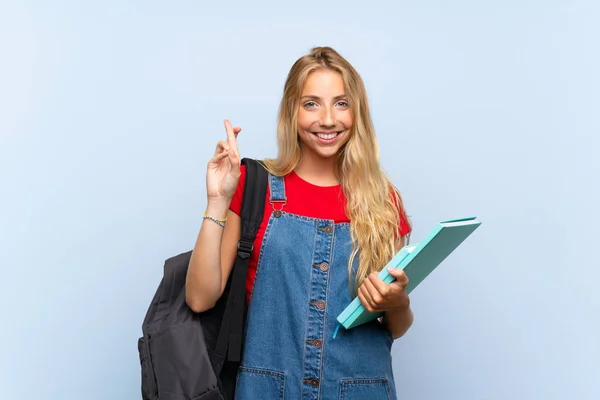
<point x="230" y="337"/>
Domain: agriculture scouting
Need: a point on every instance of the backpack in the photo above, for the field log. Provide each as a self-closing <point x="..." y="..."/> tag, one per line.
<point x="196" y="356"/>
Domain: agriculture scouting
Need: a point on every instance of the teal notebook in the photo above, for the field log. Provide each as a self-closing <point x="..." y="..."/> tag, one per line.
<point x="417" y="261"/>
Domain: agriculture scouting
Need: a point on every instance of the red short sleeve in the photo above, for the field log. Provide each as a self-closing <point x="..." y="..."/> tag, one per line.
<point x="404" y="227"/>
<point x="238" y="196"/>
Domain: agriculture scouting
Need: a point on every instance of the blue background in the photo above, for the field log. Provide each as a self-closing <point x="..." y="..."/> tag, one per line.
<point x="110" y="110"/>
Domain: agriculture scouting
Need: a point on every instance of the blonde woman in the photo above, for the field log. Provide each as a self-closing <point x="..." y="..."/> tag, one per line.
<point x="332" y="221"/>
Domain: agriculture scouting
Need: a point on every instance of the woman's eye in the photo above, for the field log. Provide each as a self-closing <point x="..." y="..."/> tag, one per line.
<point x="343" y="104"/>
<point x="309" y="104"/>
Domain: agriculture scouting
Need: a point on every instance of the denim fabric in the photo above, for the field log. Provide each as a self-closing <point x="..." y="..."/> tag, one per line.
<point x="300" y="287"/>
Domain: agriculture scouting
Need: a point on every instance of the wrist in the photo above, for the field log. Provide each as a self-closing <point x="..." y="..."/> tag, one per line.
<point x="398" y="312"/>
<point x="217" y="208"/>
<point x="398" y="321"/>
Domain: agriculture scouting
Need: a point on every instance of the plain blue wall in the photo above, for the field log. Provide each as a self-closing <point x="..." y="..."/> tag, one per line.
<point x="109" y="112"/>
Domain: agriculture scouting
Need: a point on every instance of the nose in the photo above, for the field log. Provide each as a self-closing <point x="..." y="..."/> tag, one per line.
<point x="327" y="117"/>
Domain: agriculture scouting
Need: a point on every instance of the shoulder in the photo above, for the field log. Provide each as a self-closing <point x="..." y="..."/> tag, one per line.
<point x="236" y="200"/>
<point x="242" y="181"/>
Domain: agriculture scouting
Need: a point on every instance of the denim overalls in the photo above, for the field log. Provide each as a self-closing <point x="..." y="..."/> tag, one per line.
<point x="301" y="286"/>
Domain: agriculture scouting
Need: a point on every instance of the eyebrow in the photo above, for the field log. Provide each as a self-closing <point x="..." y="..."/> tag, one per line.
<point x="313" y="97"/>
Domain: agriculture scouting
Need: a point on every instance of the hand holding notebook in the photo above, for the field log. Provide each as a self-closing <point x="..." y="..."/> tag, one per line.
<point x="376" y="295"/>
<point x="417" y="261"/>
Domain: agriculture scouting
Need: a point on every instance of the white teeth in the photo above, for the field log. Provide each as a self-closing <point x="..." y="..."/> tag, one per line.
<point x="327" y="136"/>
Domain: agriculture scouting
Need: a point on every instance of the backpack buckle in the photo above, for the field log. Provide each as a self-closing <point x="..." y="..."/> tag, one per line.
<point x="245" y="248"/>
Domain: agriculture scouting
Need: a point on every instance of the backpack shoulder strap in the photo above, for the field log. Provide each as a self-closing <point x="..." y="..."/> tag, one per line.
<point x="253" y="205"/>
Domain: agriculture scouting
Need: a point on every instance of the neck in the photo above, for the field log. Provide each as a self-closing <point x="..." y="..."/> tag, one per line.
<point x="318" y="171"/>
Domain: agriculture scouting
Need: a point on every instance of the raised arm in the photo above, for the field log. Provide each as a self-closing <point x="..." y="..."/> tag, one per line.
<point x="216" y="245"/>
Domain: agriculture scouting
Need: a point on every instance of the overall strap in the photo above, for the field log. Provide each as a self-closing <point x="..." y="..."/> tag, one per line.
<point x="277" y="188"/>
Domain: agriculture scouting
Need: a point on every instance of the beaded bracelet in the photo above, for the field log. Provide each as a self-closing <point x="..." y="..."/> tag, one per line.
<point x="220" y="222"/>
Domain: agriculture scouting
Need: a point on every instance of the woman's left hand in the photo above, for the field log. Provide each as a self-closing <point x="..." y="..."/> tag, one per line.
<point x="378" y="296"/>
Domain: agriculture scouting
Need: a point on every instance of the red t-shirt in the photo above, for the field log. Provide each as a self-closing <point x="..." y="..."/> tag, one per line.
<point x="303" y="198"/>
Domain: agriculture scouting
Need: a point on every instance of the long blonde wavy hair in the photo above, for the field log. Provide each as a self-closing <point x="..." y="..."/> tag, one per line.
<point x="373" y="203"/>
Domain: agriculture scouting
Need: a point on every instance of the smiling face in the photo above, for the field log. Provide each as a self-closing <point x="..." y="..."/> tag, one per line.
<point x="324" y="115"/>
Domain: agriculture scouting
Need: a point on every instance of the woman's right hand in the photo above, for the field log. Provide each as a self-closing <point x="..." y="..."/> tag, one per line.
<point x="223" y="172"/>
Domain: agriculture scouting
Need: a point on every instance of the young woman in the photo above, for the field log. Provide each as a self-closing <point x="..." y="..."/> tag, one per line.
<point x="332" y="221"/>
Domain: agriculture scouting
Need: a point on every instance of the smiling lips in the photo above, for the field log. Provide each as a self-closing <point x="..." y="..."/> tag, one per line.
<point x="327" y="135"/>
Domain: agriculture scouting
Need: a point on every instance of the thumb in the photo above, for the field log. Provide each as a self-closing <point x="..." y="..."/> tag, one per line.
<point x="399" y="274"/>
